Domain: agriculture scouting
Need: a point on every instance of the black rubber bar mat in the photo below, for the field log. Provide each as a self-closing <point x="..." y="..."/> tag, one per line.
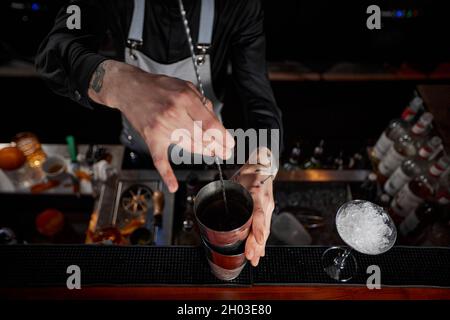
<point x="401" y="266"/>
<point x="33" y="265"/>
<point x="36" y="265"/>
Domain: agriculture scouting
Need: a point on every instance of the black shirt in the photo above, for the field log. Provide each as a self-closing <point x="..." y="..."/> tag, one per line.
<point x="67" y="58"/>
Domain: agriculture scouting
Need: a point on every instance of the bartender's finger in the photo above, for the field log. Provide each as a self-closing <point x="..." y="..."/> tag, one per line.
<point x="210" y="122"/>
<point x="194" y="89"/>
<point x="188" y="135"/>
<point x="209" y="106"/>
<point x="195" y="131"/>
<point x="217" y="149"/>
<point x="207" y="103"/>
<point x="159" y="153"/>
<point x="211" y="148"/>
<point x="253" y="251"/>
<point x="186" y="141"/>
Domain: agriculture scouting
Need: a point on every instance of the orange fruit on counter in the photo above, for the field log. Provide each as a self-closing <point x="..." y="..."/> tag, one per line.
<point x="49" y="222"/>
<point x="11" y="158"/>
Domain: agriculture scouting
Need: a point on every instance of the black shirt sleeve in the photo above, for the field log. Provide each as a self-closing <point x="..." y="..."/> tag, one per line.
<point x="67" y="58"/>
<point x="250" y="69"/>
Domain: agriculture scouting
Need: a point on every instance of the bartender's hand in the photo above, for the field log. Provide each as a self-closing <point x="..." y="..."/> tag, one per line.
<point x="257" y="178"/>
<point x="157" y="105"/>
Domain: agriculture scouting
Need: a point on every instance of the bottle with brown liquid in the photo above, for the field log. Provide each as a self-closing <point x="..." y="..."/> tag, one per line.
<point x="412" y="228"/>
<point x="412" y="167"/>
<point x="418" y="190"/>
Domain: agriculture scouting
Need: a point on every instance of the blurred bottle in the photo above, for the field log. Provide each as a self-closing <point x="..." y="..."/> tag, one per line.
<point x="315" y="162"/>
<point x="294" y="158"/>
<point x="439" y="234"/>
<point x="369" y="188"/>
<point x="406" y="146"/>
<point x="384" y="200"/>
<point x="338" y="162"/>
<point x="402" y="149"/>
<point x="443" y="192"/>
<point x="413" y="109"/>
<point x="192" y="184"/>
<point x="188" y="235"/>
<point x="29" y="144"/>
<point x="419" y="132"/>
<point x="395" y="130"/>
<point x="357" y="161"/>
<point x="412" y="167"/>
<point x="412" y="228"/>
<point x="418" y="190"/>
<point x="158" y="208"/>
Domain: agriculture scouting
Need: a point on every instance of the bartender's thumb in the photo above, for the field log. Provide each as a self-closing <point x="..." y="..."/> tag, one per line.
<point x="158" y="151"/>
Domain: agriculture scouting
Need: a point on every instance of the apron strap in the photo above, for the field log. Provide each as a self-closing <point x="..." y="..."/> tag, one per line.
<point x="135" y="34"/>
<point x="135" y="37"/>
<point x="206" y="22"/>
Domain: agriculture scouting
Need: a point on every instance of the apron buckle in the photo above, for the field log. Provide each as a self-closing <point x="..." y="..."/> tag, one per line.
<point x="134" y="45"/>
<point x="201" y="51"/>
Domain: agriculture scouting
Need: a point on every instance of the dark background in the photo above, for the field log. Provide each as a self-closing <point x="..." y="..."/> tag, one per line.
<point x="315" y="35"/>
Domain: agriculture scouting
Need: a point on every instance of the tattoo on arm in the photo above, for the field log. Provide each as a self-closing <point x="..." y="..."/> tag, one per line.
<point x="97" y="78"/>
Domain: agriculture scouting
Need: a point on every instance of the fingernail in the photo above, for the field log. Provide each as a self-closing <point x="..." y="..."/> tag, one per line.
<point x="228" y="153"/>
<point x="250" y="254"/>
<point x="173" y="188"/>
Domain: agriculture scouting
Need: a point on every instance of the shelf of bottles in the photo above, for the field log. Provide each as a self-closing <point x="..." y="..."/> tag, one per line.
<point x="407" y="171"/>
<point x="411" y="177"/>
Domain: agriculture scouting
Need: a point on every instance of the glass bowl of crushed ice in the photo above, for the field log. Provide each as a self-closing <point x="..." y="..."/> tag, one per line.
<point x="364" y="227"/>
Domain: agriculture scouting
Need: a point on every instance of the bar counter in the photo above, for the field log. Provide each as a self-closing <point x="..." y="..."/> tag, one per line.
<point x="212" y="293"/>
<point x="167" y="271"/>
<point x="39" y="272"/>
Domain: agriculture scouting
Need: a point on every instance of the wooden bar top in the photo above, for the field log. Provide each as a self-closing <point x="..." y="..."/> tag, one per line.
<point x="228" y="293"/>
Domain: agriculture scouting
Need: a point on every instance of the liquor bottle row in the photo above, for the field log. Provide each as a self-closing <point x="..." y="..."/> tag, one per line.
<point x="321" y="159"/>
<point x="412" y="169"/>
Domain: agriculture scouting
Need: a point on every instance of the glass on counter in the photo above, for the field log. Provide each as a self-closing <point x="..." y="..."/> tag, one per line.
<point x="364" y="227"/>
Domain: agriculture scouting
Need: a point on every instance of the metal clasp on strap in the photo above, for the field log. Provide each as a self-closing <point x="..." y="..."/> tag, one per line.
<point x="134" y="45"/>
<point x="201" y="50"/>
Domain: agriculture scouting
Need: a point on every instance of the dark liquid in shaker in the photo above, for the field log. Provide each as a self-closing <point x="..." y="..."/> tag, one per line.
<point x="216" y="217"/>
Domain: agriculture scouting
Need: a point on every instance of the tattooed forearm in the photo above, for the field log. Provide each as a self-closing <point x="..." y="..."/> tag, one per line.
<point x="97" y="78"/>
